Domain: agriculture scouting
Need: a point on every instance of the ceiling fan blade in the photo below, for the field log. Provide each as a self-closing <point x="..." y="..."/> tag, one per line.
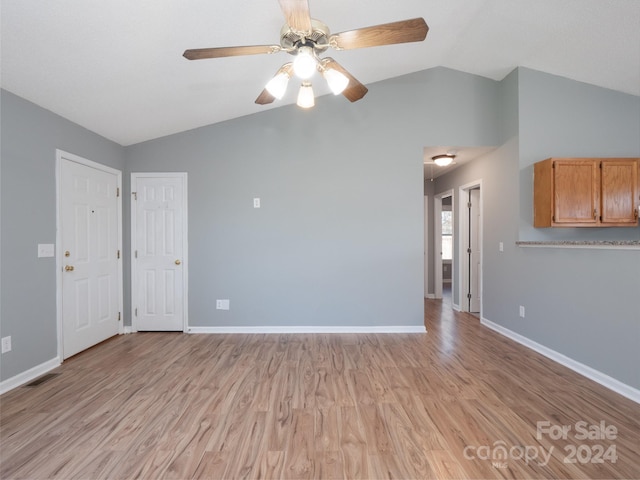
<point x="265" y="98"/>
<point x="297" y="14"/>
<point x="404" y="31"/>
<point x="202" y="53"/>
<point x="355" y="90"/>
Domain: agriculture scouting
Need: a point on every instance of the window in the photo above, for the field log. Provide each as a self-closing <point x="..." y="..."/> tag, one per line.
<point x="447" y="235"/>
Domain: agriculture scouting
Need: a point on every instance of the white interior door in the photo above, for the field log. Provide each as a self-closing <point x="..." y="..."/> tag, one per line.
<point x="159" y="262"/>
<point x="89" y="239"/>
<point x="475" y="246"/>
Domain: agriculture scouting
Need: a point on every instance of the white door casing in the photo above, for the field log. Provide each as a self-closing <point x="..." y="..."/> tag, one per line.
<point x="89" y="244"/>
<point x="159" y="251"/>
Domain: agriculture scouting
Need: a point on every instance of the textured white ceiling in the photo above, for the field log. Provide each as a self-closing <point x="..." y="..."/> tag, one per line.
<point x="116" y="67"/>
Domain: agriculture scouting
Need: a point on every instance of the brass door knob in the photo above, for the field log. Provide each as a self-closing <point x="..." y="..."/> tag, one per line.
<point x="178" y="262"/>
<point x="68" y="268"/>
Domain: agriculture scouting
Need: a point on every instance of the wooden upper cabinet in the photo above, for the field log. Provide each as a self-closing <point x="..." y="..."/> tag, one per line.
<point x="586" y="192"/>
<point x="620" y="201"/>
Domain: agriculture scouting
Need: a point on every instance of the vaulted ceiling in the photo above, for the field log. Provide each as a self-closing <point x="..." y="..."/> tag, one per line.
<point x="116" y="67"/>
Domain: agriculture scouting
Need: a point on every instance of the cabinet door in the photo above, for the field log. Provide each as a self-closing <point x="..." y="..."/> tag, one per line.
<point x="619" y="179"/>
<point x="576" y="197"/>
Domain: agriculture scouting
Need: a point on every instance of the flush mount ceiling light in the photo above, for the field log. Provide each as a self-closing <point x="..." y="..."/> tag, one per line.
<point x="443" y="160"/>
<point x="306" y="39"/>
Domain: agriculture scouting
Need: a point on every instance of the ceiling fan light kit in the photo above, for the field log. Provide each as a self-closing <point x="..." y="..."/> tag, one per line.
<point x="306" y="98"/>
<point x="337" y="81"/>
<point x="306" y="39"/>
<point x="277" y="86"/>
<point x="305" y="63"/>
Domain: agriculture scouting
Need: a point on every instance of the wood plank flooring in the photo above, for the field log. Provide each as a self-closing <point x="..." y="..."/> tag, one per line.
<point x="457" y="402"/>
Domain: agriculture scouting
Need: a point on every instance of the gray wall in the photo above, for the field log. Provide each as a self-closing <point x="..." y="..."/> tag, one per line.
<point x="579" y="302"/>
<point x="562" y="118"/>
<point x="339" y="238"/>
<point x="30" y="137"/>
<point x="591" y="312"/>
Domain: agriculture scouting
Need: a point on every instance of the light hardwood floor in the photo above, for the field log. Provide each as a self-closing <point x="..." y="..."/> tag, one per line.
<point x="325" y="406"/>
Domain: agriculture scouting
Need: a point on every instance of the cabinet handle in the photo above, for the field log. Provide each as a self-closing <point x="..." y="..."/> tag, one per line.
<point x="595" y="213"/>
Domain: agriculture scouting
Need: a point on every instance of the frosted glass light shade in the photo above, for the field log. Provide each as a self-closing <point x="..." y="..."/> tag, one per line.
<point x="277" y="86"/>
<point x="305" y="63"/>
<point x="337" y="81"/>
<point x="443" y="160"/>
<point x="305" y="96"/>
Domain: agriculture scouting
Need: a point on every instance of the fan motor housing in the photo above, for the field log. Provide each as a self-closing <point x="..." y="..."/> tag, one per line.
<point x="291" y="40"/>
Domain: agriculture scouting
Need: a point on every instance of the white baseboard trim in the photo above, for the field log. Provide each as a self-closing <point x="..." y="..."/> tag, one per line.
<point x="430" y="296"/>
<point x="32" y="373"/>
<point x="128" y="329"/>
<point x="602" y="378"/>
<point x="310" y="329"/>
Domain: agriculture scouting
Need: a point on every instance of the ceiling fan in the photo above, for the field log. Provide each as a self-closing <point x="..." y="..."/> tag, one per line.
<point x="306" y="39"/>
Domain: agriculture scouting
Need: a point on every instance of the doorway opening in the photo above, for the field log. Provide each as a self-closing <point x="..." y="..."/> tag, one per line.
<point x="444" y="241"/>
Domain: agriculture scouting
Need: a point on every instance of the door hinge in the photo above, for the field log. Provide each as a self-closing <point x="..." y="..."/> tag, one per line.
<point x="468" y="204"/>
<point x="135" y="195"/>
<point x="136" y="311"/>
<point x="118" y="254"/>
<point x="469" y="296"/>
<point x="119" y="317"/>
<point x="469" y="250"/>
<point x="136" y="253"/>
<point x="117" y="191"/>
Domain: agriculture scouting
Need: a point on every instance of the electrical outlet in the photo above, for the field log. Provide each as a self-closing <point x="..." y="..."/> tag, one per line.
<point x="222" y="304"/>
<point x="521" y="311"/>
<point x="6" y="344"/>
<point x="501" y="247"/>
<point x="256" y="203"/>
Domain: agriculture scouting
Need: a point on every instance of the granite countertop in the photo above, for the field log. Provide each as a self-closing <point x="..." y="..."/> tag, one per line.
<point x="580" y="243"/>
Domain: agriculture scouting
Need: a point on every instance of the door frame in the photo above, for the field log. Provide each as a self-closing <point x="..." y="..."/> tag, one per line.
<point x="61" y="155"/>
<point x="185" y="263"/>
<point x="426" y="247"/>
<point x="463" y="244"/>
<point x="437" y="244"/>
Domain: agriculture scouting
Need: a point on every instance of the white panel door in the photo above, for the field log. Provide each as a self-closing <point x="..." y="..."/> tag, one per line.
<point x="159" y="229"/>
<point x="89" y="232"/>
<point x="475" y="245"/>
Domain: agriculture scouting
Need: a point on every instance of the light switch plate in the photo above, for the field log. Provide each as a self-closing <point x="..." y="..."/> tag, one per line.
<point x="222" y="304"/>
<point x="46" y="250"/>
